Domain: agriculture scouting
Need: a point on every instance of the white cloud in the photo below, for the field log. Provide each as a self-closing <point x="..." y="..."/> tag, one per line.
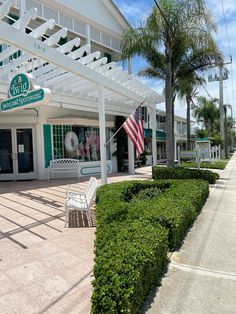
<point x="134" y="11"/>
<point x="138" y="10"/>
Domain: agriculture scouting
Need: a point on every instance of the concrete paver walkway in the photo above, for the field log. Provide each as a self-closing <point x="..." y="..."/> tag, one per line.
<point x="201" y="277"/>
<point x="44" y="267"/>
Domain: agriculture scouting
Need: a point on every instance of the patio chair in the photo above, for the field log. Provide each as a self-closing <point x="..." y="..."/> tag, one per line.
<point x="81" y="201"/>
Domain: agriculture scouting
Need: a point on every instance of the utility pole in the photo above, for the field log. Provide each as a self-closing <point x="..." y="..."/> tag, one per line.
<point x="222" y="118"/>
<point x="223" y="75"/>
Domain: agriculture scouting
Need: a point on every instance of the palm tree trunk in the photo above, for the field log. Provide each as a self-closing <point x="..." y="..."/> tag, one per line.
<point x="188" y="100"/>
<point x="169" y="111"/>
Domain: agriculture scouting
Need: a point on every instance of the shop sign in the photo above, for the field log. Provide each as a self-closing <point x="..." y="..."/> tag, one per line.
<point x="19" y="85"/>
<point x="188" y="154"/>
<point x="22" y="94"/>
<point x="21" y="101"/>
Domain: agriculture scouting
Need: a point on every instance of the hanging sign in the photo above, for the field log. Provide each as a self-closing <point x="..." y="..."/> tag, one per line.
<point x="22" y="94"/>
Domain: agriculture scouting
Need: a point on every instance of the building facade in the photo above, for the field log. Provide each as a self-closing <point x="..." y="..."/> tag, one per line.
<point x="69" y="125"/>
<point x="180" y="130"/>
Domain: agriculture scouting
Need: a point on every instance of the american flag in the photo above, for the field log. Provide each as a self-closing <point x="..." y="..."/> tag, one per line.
<point x="134" y="129"/>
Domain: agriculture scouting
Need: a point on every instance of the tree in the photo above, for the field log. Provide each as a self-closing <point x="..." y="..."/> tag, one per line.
<point x="162" y="40"/>
<point x="187" y="88"/>
<point x="207" y="112"/>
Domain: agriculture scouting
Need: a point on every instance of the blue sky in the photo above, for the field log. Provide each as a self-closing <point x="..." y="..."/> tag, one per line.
<point x="136" y="10"/>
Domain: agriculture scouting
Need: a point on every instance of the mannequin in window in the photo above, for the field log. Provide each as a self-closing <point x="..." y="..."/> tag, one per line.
<point x="81" y="152"/>
<point x="88" y="137"/>
<point x="94" y="148"/>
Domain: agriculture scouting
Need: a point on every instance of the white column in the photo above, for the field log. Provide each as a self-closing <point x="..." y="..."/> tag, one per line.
<point x="154" y="139"/>
<point x="102" y="131"/>
<point x="88" y="39"/>
<point x="131" y="156"/>
<point x="40" y="146"/>
<point x="22" y="7"/>
<point x="130" y="143"/>
<point x="175" y="153"/>
<point x="129" y="66"/>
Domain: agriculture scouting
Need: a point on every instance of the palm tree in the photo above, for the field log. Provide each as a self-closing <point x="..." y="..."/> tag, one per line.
<point x="208" y="113"/>
<point x="179" y="28"/>
<point x="187" y="88"/>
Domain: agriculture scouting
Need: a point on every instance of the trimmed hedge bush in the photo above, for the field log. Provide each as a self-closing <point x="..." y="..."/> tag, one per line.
<point x="134" y="234"/>
<point x="159" y="173"/>
<point x="207" y="165"/>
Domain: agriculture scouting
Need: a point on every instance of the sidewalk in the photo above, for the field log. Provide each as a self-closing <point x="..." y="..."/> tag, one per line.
<point x="44" y="267"/>
<point x="201" y="277"/>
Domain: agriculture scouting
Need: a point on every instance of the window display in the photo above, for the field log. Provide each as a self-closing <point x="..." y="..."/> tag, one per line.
<point x="78" y="142"/>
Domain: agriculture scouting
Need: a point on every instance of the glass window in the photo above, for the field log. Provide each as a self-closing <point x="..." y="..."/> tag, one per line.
<point x="66" y="21"/>
<point x="115" y="43"/>
<point x="105" y="39"/>
<point x="95" y="34"/>
<point x="49" y="13"/>
<point x="78" y="142"/>
<point x="80" y="28"/>
<point x="34" y="4"/>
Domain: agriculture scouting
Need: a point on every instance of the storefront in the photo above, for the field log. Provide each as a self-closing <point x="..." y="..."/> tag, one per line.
<point x="87" y="93"/>
<point x="17" y="153"/>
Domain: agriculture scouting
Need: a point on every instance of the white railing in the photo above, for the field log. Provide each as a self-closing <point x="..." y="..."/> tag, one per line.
<point x="161" y="126"/>
<point x="180" y="129"/>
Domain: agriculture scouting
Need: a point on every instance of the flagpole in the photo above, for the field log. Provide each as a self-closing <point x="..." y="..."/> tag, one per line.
<point x="120" y="127"/>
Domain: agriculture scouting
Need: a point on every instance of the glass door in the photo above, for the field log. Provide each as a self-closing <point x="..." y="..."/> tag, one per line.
<point x="25" y="155"/>
<point x="17" y="154"/>
<point x="6" y="161"/>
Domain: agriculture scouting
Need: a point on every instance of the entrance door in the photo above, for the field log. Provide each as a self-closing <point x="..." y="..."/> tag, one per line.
<point x="17" y="158"/>
<point x="6" y="161"/>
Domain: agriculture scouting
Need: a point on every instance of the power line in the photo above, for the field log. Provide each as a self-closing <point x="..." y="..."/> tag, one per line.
<point x="162" y="14"/>
<point x="209" y="95"/>
<point x="226" y="30"/>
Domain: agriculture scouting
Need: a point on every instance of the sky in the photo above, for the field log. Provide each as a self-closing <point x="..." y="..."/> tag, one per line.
<point x="136" y="10"/>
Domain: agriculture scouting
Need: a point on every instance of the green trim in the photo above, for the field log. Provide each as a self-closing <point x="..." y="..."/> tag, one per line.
<point x="108" y="56"/>
<point x="96" y="172"/>
<point x="161" y="135"/>
<point x="204" y="139"/>
<point x="47" y="144"/>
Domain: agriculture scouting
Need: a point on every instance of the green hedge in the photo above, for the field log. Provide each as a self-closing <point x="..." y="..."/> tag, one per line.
<point x="159" y="173"/>
<point x="134" y="234"/>
<point x="207" y="165"/>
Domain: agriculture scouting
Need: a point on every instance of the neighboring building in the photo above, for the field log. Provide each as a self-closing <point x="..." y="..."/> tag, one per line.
<point x="30" y="138"/>
<point x="180" y="129"/>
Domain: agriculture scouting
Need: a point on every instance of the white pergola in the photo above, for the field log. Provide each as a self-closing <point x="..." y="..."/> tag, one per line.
<point x="67" y="71"/>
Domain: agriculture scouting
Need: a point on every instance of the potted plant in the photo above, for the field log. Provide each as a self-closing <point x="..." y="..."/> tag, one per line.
<point x="143" y="158"/>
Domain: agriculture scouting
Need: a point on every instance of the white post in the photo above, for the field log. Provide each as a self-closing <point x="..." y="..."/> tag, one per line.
<point x="198" y="157"/>
<point x="102" y="130"/>
<point x="40" y="145"/>
<point x="179" y="163"/>
<point x="131" y="156"/>
<point x="154" y="137"/>
<point x="209" y="151"/>
<point x="88" y="39"/>
<point x="175" y="152"/>
<point x="22" y="7"/>
<point x="213" y="153"/>
<point x="219" y="152"/>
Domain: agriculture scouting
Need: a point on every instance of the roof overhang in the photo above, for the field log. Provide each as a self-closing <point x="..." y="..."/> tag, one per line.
<point x="63" y="69"/>
<point x="78" y="121"/>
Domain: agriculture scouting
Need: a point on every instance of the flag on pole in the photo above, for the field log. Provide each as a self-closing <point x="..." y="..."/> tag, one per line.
<point x="134" y="129"/>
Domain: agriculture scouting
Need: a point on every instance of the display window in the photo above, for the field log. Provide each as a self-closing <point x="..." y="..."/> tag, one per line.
<point x="79" y="142"/>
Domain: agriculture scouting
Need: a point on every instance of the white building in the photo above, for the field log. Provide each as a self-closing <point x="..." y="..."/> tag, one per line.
<point x="180" y="130"/>
<point x="69" y="47"/>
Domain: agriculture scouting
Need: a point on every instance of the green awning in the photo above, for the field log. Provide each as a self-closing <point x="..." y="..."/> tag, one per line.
<point x="202" y="139"/>
<point x="161" y="135"/>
